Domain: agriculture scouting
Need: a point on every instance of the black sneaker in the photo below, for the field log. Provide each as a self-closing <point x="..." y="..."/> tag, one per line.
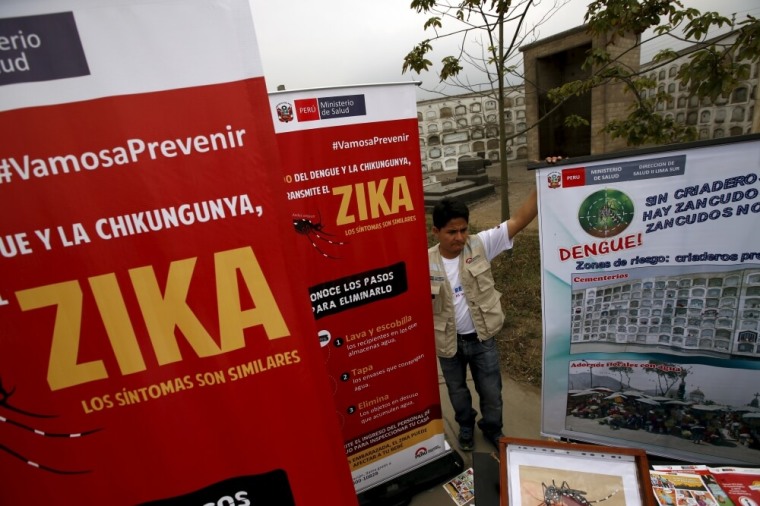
<point x="494" y="438"/>
<point x="466" y="440"/>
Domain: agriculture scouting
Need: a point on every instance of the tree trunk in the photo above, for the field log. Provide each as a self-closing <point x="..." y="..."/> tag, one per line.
<point x="502" y="126"/>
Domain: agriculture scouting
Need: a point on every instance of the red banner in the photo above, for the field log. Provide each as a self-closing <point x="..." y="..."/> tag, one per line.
<point x="354" y="184"/>
<point x="153" y="348"/>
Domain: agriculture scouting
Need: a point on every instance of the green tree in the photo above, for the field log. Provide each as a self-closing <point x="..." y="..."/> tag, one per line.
<point x="667" y="375"/>
<point x="623" y="371"/>
<point x="715" y="67"/>
<point x="496" y="28"/>
<point x="681" y="393"/>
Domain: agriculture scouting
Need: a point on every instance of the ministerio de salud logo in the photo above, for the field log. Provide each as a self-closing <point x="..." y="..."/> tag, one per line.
<point x="554" y="180"/>
<point x="284" y="112"/>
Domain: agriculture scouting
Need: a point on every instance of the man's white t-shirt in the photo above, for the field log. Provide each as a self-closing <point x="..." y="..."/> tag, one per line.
<point x="495" y="240"/>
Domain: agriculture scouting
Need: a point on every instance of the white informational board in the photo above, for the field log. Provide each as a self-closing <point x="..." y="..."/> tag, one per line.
<point x="651" y="300"/>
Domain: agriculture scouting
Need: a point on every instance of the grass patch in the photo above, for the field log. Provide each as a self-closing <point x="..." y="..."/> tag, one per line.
<point x="517" y="274"/>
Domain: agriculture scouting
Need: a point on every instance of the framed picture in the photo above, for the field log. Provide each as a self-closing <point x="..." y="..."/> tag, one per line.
<point x="549" y="473"/>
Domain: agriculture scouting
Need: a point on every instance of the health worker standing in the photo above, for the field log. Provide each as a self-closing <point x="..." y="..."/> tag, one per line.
<point x="467" y="311"/>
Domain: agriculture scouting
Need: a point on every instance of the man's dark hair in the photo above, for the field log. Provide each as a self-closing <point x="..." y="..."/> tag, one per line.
<point x="448" y="209"/>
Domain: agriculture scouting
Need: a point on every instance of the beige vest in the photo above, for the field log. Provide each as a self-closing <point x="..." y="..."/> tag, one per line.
<point x="483" y="300"/>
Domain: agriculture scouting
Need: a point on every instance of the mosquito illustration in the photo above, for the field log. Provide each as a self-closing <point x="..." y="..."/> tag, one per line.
<point x="4" y="396"/>
<point x="566" y="496"/>
<point x="314" y="231"/>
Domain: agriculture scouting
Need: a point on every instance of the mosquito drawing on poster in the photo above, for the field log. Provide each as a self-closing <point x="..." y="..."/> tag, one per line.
<point x="553" y="473"/>
<point x="312" y="228"/>
<point x="12" y="419"/>
<point x="564" y="495"/>
<point x="569" y="489"/>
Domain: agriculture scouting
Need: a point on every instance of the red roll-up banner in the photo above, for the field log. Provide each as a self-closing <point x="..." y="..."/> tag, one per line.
<point x="153" y="348"/>
<point x="351" y="162"/>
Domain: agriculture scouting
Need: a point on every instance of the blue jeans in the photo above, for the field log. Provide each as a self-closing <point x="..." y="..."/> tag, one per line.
<point x="483" y="359"/>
